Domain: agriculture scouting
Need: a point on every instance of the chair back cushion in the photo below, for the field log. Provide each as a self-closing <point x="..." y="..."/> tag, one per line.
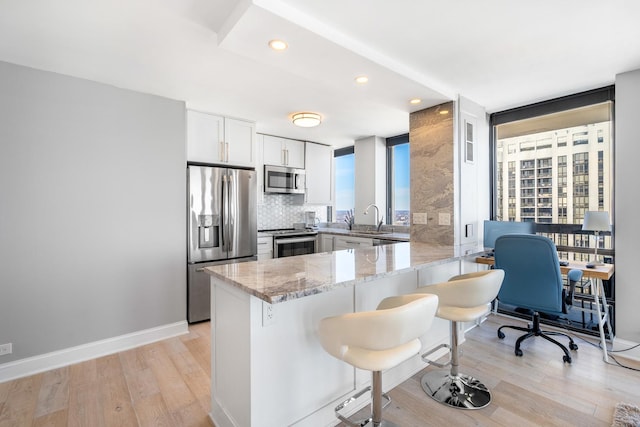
<point x="380" y="339"/>
<point x="532" y="277"/>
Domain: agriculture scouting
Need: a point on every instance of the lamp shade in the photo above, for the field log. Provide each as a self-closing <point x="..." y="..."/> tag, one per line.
<point x="596" y="221"/>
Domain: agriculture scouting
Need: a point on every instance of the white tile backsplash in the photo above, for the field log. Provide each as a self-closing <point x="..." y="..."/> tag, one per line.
<point x="283" y="210"/>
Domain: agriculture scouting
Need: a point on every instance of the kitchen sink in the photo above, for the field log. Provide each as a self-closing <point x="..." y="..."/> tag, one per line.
<point x="369" y="232"/>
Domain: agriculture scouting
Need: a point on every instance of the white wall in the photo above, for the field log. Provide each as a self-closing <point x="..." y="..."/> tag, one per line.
<point x="472" y="177"/>
<point x="370" y="178"/>
<point x="92" y="211"/>
<point x="627" y="206"/>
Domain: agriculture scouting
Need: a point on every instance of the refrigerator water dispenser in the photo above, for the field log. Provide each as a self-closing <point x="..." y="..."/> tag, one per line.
<point x="208" y="231"/>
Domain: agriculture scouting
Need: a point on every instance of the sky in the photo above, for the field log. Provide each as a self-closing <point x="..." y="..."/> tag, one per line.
<point x="345" y="179"/>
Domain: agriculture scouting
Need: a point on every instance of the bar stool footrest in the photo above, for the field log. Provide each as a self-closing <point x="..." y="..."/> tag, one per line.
<point x="434" y="363"/>
<point x="362" y="422"/>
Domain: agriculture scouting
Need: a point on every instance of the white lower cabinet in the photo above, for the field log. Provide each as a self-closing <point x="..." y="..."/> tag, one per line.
<point x="348" y="242"/>
<point x="265" y="247"/>
<point x="325" y="243"/>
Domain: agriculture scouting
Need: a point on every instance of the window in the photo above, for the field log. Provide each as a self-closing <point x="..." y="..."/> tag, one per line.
<point x="580" y="138"/>
<point x="562" y="140"/>
<point x="345" y="181"/>
<point x="398" y="175"/>
<point x="569" y="170"/>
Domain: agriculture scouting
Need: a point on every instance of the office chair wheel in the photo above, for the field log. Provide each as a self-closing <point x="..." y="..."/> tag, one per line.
<point x="518" y="352"/>
<point x="501" y="335"/>
<point x="566" y="359"/>
<point x="573" y="346"/>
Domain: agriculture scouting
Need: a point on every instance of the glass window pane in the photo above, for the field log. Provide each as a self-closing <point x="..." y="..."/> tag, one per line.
<point x="565" y="173"/>
<point x="400" y="184"/>
<point x="345" y="185"/>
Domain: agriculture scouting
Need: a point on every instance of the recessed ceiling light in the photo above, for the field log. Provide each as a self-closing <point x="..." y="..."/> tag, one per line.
<point x="278" y="45"/>
<point x="306" y="120"/>
<point x="362" y="79"/>
<point x="415" y="101"/>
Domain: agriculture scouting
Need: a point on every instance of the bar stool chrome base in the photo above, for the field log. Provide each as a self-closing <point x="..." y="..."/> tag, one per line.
<point x="460" y="391"/>
<point x="379" y="401"/>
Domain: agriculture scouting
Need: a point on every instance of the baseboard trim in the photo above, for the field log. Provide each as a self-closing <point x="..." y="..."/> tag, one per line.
<point x="68" y="356"/>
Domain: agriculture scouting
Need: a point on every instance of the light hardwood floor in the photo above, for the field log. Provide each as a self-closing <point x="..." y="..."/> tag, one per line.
<point x="167" y="384"/>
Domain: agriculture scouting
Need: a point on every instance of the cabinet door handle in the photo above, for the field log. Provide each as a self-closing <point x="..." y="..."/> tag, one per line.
<point x="199" y="270"/>
<point x="353" y="243"/>
<point x="226" y="159"/>
<point x="222" y="151"/>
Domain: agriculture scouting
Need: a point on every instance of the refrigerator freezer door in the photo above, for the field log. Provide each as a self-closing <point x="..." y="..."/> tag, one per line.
<point x="199" y="289"/>
<point x="241" y="238"/>
<point x="205" y="214"/>
<point x="198" y="293"/>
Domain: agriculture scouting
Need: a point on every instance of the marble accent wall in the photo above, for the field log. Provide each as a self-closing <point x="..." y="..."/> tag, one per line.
<point x="432" y="173"/>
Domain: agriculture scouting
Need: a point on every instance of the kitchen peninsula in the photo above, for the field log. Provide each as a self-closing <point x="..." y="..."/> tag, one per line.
<point x="267" y="365"/>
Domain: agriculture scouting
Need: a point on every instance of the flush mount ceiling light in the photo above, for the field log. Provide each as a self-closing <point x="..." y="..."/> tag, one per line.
<point x="362" y="79"/>
<point x="278" y="45"/>
<point x="306" y="120"/>
<point x="415" y="101"/>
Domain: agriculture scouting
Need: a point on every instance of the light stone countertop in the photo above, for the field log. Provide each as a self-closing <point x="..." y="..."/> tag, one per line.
<point x="401" y="237"/>
<point x="283" y="279"/>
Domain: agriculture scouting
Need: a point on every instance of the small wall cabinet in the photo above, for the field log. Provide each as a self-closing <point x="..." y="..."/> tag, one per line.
<point x="220" y="140"/>
<point x="318" y="162"/>
<point x="283" y="152"/>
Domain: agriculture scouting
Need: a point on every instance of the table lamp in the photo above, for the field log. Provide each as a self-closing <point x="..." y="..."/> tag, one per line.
<point x="596" y="221"/>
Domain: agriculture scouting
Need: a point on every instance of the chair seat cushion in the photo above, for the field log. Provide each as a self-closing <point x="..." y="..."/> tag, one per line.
<point x="462" y="314"/>
<point x="379" y="360"/>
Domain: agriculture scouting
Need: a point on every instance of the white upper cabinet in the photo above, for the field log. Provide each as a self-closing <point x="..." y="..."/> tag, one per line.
<point x="215" y="139"/>
<point x="318" y="173"/>
<point x="283" y="152"/>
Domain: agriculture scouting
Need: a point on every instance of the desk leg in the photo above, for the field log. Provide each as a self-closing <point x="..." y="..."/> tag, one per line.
<point x="603" y="318"/>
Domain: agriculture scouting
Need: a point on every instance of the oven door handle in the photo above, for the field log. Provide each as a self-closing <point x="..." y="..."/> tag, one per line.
<point x="293" y="240"/>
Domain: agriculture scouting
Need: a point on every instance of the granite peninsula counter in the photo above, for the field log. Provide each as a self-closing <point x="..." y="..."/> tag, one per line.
<point x="284" y="279"/>
<point x="267" y="365"/>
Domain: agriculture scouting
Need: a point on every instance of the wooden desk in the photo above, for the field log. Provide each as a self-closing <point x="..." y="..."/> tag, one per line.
<point x="596" y="275"/>
<point x="602" y="272"/>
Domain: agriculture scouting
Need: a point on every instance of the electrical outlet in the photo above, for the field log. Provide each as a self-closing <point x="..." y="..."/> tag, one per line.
<point x="6" y="349"/>
<point x="268" y="314"/>
<point x="420" y="218"/>
<point x="444" y="218"/>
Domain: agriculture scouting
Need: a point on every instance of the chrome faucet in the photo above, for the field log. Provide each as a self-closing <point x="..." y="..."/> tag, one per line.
<point x="378" y="219"/>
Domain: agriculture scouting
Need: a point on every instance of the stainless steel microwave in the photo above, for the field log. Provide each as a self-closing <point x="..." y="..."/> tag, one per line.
<point x="279" y="179"/>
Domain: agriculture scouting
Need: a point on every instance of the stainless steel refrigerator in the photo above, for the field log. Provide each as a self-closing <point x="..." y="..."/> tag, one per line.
<point x="222" y="228"/>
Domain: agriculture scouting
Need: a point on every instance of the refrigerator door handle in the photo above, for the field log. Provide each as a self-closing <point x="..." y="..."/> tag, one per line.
<point x="223" y="213"/>
<point x="231" y="217"/>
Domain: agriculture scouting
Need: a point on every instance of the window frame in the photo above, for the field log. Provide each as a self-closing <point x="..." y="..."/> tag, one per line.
<point x="392" y="142"/>
<point x="556" y="105"/>
<point x="339" y="152"/>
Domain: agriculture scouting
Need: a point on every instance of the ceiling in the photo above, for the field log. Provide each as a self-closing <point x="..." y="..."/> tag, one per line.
<point x="213" y="54"/>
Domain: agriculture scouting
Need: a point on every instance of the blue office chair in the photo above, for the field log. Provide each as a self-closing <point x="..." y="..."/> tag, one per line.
<point x="533" y="281"/>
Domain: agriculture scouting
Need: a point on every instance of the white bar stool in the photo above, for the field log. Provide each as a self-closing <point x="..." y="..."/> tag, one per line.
<point x="463" y="298"/>
<point x="378" y="340"/>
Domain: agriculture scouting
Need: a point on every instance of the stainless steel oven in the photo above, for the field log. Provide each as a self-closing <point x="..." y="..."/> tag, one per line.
<point x="294" y="243"/>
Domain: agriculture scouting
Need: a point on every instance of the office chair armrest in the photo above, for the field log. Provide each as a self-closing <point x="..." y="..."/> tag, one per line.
<point x="573" y="277"/>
